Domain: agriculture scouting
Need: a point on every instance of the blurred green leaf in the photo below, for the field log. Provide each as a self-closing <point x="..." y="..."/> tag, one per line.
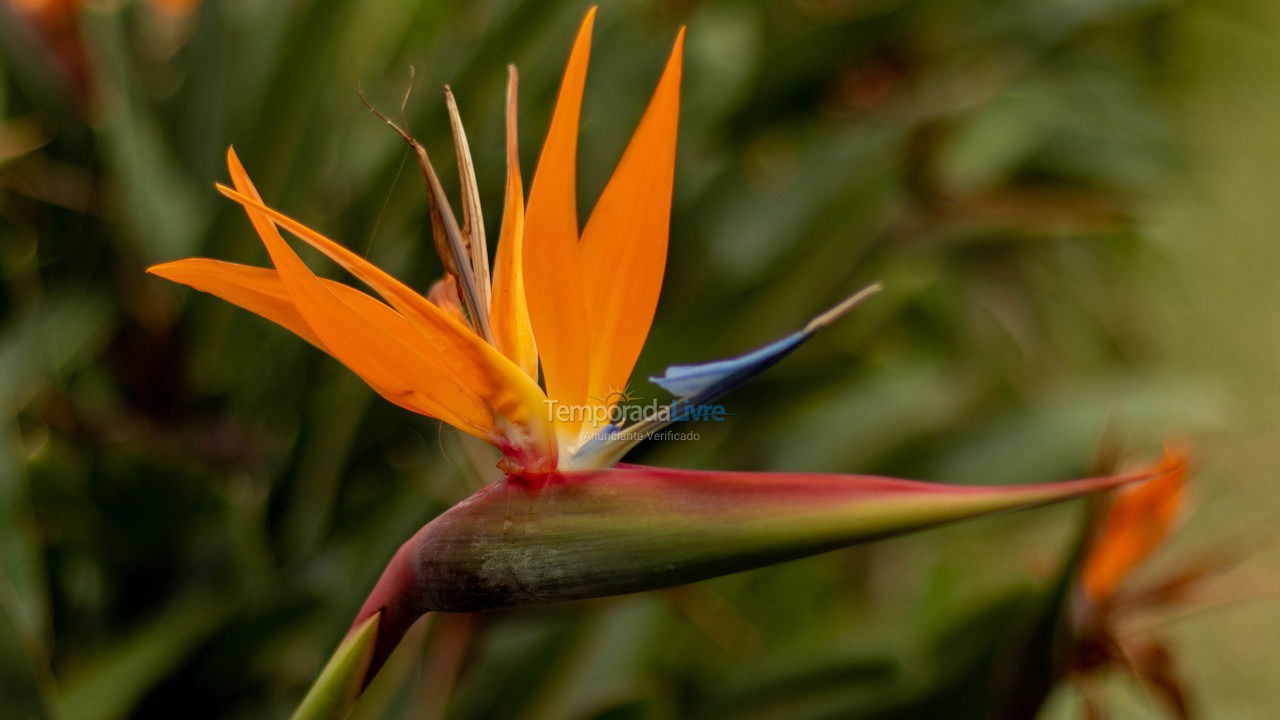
<point x="109" y="685"/>
<point x="35" y="348"/>
<point x="808" y="688"/>
<point x="598" y="668"/>
<point x="164" y="210"/>
<point x="25" y="683"/>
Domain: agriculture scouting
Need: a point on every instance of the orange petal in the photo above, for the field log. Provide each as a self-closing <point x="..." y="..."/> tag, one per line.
<point x="1136" y="523"/>
<point x="260" y="291"/>
<point x="255" y="289"/>
<point x="376" y="342"/>
<point x="509" y="315"/>
<point x="514" y="400"/>
<point x="551" y="264"/>
<point x="624" y="245"/>
<point x="400" y="296"/>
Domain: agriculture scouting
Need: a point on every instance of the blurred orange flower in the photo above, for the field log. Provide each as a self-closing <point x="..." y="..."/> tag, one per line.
<point x="57" y="23"/>
<point x="68" y="8"/>
<point x="1138" y="521"/>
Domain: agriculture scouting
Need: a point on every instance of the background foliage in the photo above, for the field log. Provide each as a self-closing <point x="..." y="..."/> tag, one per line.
<point x="1069" y="202"/>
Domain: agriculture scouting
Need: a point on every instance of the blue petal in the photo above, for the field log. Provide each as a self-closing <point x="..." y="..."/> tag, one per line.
<point x="696" y="385"/>
<point x="703" y="382"/>
<point x="715" y="377"/>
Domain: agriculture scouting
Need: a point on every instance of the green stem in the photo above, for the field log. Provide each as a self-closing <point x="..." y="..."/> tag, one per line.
<point x="342" y="679"/>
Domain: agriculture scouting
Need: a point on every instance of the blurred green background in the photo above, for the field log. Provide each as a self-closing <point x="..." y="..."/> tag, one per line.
<point x="1071" y="204"/>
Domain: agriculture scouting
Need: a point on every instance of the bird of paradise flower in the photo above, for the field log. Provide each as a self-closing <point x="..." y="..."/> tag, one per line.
<point x="568" y="521"/>
<point x="1135" y="525"/>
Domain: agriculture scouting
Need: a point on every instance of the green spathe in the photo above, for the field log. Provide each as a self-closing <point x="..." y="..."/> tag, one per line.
<point x="582" y="534"/>
<point x="576" y="535"/>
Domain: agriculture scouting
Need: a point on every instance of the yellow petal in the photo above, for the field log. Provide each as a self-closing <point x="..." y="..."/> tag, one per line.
<point x="512" y="332"/>
<point x="551" y="264"/>
<point x="624" y="245"/>
<point x="260" y="291"/>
